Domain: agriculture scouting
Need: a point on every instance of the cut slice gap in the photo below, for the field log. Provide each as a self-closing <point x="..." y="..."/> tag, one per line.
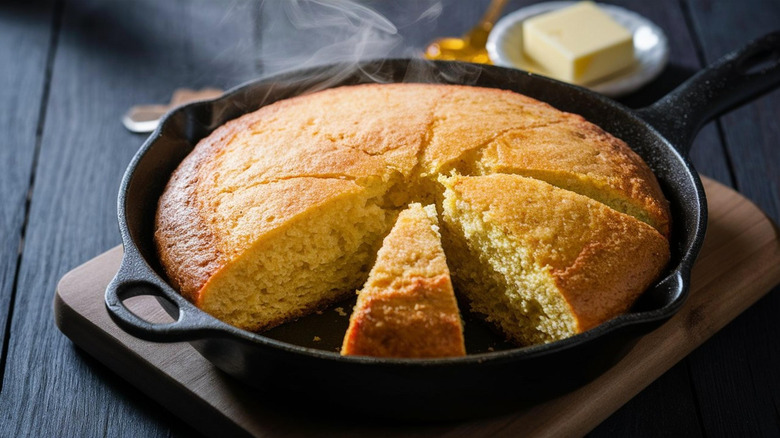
<point x="582" y="158"/>
<point x="407" y="308"/>
<point x="594" y="189"/>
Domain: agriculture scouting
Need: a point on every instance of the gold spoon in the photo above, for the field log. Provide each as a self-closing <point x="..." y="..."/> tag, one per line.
<point x="471" y="46"/>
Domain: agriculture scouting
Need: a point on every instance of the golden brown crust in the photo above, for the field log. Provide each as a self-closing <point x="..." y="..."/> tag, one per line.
<point x="601" y="259"/>
<point x="413" y="320"/>
<point x="407" y="307"/>
<point x="185" y="243"/>
<point x="495" y="131"/>
<point x="467" y="118"/>
<point x="579" y="156"/>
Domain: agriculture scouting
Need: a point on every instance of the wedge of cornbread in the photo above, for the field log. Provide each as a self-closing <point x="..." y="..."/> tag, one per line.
<point x="526" y="254"/>
<point x="407" y="307"/>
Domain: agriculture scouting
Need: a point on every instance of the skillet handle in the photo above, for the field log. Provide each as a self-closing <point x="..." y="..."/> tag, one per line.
<point x="190" y="324"/>
<point x="726" y="84"/>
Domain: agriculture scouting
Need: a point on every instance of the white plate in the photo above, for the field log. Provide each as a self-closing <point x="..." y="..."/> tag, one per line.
<point x="651" y="48"/>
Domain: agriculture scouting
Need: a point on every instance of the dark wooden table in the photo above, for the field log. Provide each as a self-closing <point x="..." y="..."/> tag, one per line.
<point x="69" y="69"/>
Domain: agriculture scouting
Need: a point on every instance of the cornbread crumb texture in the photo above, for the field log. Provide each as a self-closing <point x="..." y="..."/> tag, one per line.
<point x="541" y="249"/>
<point x="281" y="212"/>
<point x="407" y="308"/>
<point x="317" y="258"/>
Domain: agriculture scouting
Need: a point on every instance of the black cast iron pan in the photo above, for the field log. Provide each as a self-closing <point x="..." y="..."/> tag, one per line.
<point x="283" y="368"/>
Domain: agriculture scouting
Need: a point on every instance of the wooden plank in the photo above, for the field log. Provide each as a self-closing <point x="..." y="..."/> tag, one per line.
<point x="111" y="55"/>
<point x="739" y="393"/>
<point x="751" y="133"/>
<point x="724" y="283"/>
<point x="25" y="38"/>
<point x="671" y="397"/>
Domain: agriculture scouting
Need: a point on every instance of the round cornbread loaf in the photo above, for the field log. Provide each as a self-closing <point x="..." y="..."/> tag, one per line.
<point x="281" y="212"/>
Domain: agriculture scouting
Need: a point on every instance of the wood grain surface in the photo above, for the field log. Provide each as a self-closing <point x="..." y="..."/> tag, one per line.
<point x="109" y="56"/>
<point x="71" y="68"/>
<point x="739" y="263"/>
<point x="747" y="374"/>
<point x="25" y="36"/>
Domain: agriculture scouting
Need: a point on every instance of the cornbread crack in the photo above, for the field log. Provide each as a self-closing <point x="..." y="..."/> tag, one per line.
<point x="470" y="159"/>
<point x="465" y="121"/>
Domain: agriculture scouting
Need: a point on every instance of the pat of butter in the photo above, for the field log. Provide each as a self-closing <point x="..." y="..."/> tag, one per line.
<point x="579" y="44"/>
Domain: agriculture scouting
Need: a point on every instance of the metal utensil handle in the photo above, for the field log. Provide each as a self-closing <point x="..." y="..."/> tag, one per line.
<point x="492" y="13"/>
<point x="726" y="84"/>
<point x="191" y="323"/>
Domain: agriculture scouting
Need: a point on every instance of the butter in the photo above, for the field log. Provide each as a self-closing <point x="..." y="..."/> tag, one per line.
<point x="579" y="44"/>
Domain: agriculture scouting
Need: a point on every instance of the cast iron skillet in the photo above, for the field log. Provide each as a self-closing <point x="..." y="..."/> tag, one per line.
<point x="477" y="383"/>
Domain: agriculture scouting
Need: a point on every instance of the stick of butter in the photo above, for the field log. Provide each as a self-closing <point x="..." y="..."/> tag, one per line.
<point x="578" y="44"/>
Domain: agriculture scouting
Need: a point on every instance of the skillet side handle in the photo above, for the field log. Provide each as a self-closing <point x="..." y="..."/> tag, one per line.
<point x="191" y="324"/>
<point x="724" y="85"/>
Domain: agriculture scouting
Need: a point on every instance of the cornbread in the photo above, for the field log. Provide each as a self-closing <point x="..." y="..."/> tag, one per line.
<point x="545" y="263"/>
<point x="281" y="212"/>
<point x="407" y="307"/>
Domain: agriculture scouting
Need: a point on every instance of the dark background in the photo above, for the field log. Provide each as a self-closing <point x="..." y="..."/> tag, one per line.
<point x="69" y="69"/>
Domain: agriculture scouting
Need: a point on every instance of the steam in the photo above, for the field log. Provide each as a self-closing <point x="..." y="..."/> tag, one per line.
<point x="344" y="34"/>
<point x="330" y="32"/>
<point x="309" y="45"/>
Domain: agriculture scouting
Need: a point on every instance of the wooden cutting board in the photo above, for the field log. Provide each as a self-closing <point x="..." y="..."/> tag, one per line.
<point x="739" y="263"/>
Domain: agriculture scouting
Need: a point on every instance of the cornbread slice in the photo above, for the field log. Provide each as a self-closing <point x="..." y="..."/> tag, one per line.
<point x="407" y="307"/>
<point x="579" y="156"/>
<point x="543" y="263"/>
<point x="495" y="131"/>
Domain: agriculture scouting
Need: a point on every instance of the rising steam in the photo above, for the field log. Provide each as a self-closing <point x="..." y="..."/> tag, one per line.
<point x="344" y="34"/>
<point x="326" y="32"/>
